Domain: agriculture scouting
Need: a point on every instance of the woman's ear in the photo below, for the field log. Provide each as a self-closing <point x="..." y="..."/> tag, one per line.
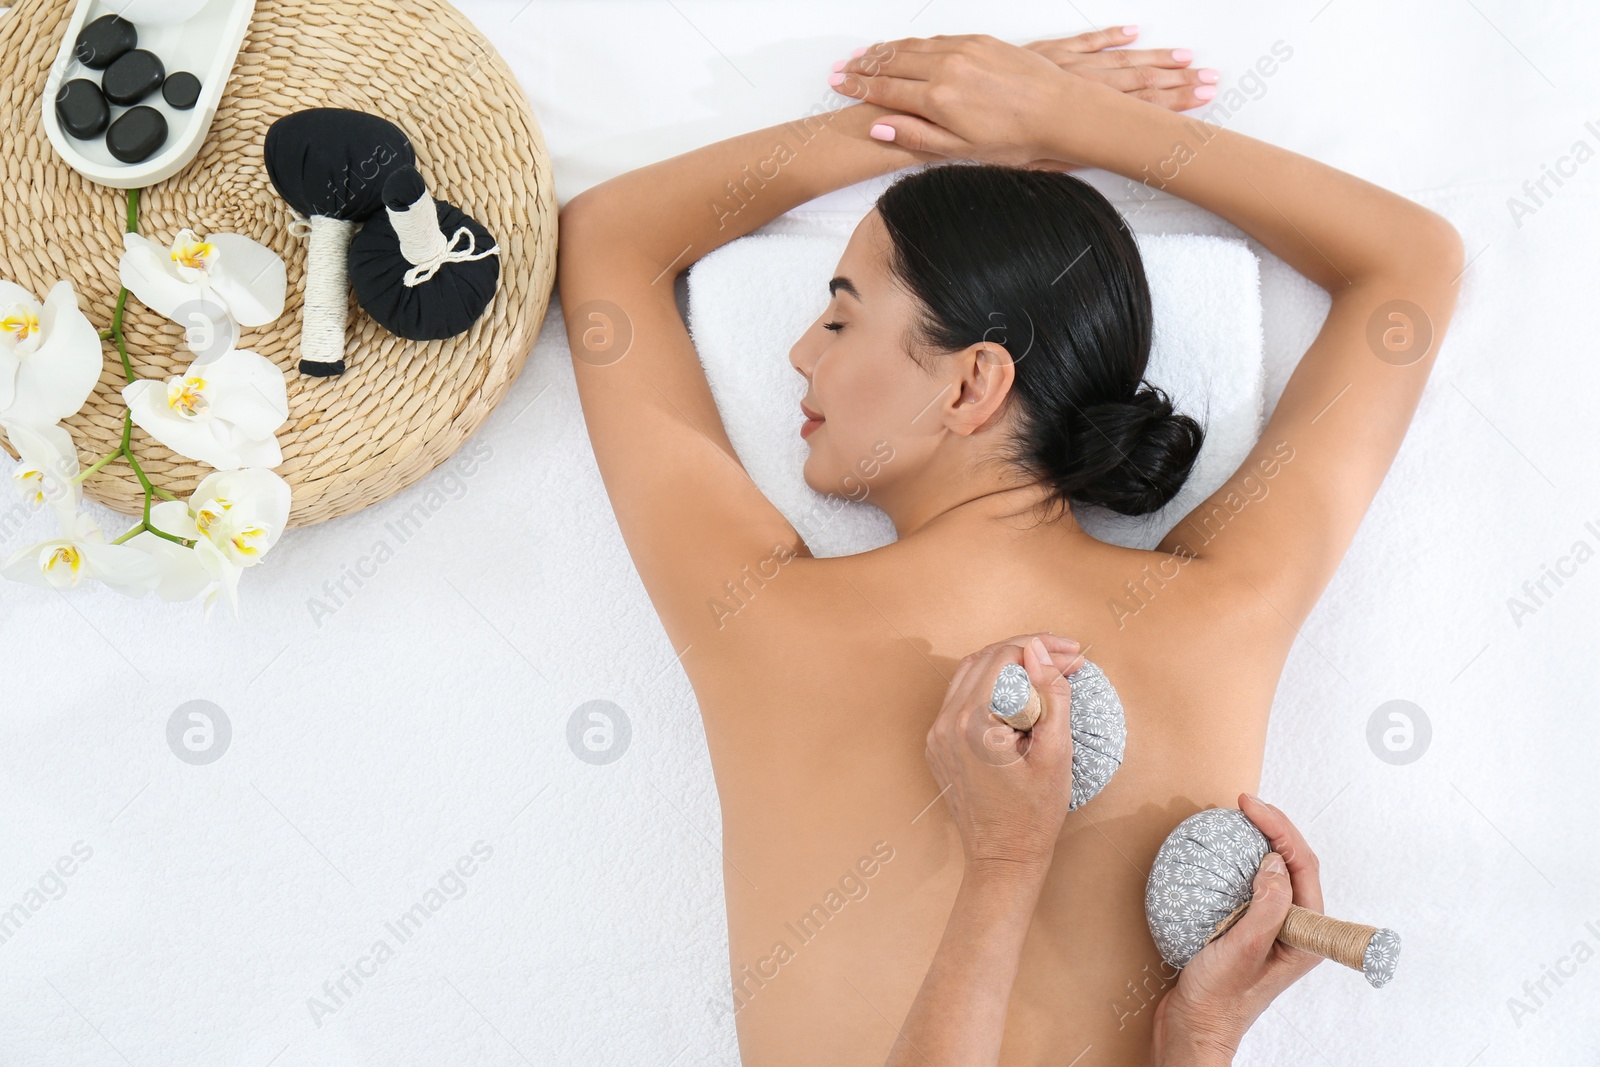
<point x="984" y="375"/>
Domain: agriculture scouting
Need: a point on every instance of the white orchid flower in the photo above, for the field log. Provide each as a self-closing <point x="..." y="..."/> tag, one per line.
<point x="48" y="464"/>
<point x="82" y="554"/>
<point x="245" y="277"/>
<point x="233" y="517"/>
<point x="224" y="411"/>
<point x="50" y="355"/>
<point x="242" y="513"/>
<point x="182" y="575"/>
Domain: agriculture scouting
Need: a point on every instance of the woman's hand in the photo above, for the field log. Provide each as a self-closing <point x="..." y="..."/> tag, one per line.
<point x="1160" y="76"/>
<point x="975" y="97"/>
<point x="1007" y="791"/>
<point x="1230" y="982"/>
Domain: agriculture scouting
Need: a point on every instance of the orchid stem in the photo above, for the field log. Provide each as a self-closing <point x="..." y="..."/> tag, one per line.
<point x="126" y="448"/>
<point x="116" y="335"/>
<point x="146" y="527"/>
<point x="122" y="296"/>
<point x="81" y="475"/>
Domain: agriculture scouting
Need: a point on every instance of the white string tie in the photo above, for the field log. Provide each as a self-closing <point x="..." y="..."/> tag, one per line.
<point x="428" y="268"/>
<point x="424" y="245"/>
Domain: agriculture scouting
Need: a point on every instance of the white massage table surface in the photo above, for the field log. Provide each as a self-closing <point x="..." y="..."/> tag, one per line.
<point x="221" y="904"/>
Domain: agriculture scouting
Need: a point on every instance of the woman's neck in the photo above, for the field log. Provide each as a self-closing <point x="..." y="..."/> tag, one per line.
<point x="953" y="504"/>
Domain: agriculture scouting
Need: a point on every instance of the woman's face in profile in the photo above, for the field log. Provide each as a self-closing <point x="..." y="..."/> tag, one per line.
<point x="877" y="405"/>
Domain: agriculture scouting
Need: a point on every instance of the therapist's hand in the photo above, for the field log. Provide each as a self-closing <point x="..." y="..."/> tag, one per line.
<point x="1007" y="791"/>
<point x="1230" y="982"/>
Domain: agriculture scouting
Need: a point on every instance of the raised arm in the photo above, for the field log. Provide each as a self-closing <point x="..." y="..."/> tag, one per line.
<point x="1390" y="265"/>
<point x="690" y="514"/>
<point x="1391" y="268"/>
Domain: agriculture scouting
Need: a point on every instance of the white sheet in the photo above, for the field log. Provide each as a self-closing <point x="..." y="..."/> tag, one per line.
<point x="430" y="711"/>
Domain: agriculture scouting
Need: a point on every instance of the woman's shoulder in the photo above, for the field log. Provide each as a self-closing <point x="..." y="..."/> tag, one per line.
<point x="796" y="611"/>
<point x="1191" y="591"/>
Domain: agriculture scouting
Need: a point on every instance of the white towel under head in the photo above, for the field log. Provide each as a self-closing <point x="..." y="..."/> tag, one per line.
<point x="751" y="299"/>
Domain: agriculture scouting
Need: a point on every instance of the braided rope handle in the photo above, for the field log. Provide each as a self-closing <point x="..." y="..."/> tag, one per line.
<point x="326" y="312"/>
<point x="1372" y="950"/>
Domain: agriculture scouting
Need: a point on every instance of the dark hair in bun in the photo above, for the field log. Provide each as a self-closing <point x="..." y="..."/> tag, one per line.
<point x="1041" y="263"/>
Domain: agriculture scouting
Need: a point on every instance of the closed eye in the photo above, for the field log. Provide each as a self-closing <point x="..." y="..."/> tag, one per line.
<point x="836" y="326"/>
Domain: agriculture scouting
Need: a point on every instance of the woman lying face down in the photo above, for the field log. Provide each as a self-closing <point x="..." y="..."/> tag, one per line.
<point x="988" y="328"/>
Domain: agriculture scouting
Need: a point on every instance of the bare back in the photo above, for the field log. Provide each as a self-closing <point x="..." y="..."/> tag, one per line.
<point x="840" y="865"/>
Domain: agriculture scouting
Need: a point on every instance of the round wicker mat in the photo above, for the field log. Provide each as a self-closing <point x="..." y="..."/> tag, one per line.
<point x="402" y="407"/>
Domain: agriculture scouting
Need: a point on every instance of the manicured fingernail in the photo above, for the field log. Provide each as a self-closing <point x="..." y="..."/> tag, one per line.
<point x="1206" y="75"/>
<point x="1040" y="653"/>
<point x="836" y="79"/>
<point x="1181" y="55"/>
<point x="1204" y="92"/>
<point x="840" y="65"/>
<point x="1273" y="864"/>
<point x="859" y="52"/>
<point x="1255" y="798"/>
<point x="882" y="131"/>
<point x="1130" y="31"/>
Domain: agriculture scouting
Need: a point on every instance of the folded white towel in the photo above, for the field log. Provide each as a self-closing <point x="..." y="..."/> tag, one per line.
<point x="750" y="300"/>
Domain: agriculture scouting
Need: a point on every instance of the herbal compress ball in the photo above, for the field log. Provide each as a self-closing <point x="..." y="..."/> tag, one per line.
<point x="1099" y="725"/>
<point x="330" y="165"/>
<point x="1202" y="882"/>
<point x="422" y="268"/>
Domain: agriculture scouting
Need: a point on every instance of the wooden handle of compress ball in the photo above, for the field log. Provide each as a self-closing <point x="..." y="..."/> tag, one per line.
<point x="1337" y="940"/>
<point x="1332" y="939"/>
<point x="1030" y="714"/>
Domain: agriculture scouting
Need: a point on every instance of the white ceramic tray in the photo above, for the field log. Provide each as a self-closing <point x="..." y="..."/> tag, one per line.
<point x="205" y="44"/>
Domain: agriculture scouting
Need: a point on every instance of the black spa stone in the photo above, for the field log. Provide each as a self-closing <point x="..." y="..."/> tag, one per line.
<point x="82" y="109"/>
<point x="104" y="41"/>
<point x="181" y="90"/>
<point x="137" y="135"/>
<point x="134" y="76"/>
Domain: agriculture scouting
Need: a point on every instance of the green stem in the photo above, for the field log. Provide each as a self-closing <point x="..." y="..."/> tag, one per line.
<point x="122" y="297"/>
<point x="184" y="541"/>
<point x="116" y="335"/>
<point x="127" y="450"/>
<point x="146" y="527"/>
<point x="126" y="447"/>
<point x="81" y="475"/>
